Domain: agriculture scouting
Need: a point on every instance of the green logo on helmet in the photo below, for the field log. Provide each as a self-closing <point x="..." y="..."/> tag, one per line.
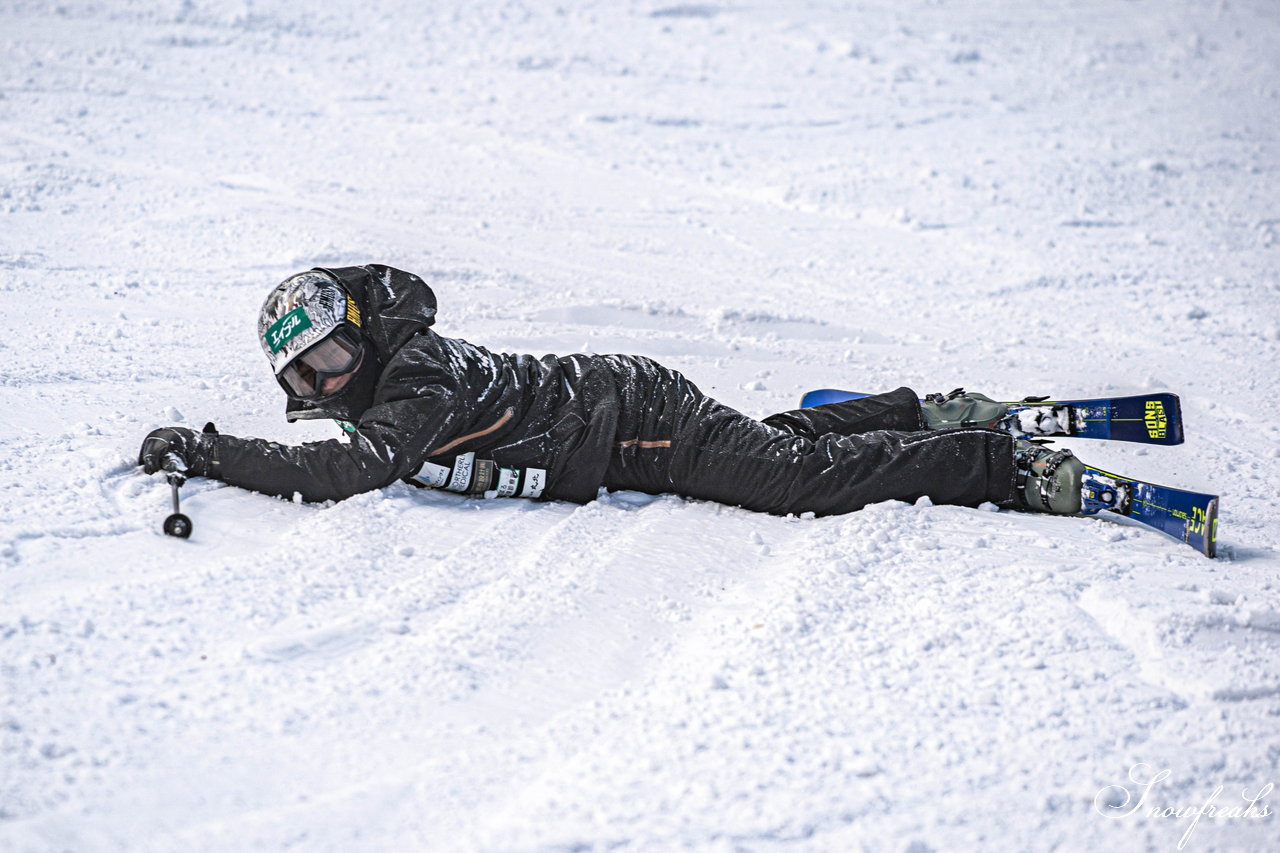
<point x="286" y="328"/>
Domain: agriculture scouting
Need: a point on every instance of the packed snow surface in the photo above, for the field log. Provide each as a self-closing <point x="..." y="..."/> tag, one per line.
<point x="1066" y="198"/>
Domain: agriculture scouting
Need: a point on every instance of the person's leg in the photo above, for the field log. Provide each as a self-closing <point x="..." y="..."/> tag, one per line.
<point x="722" y="455"/>
<point x="895" y="410"/>
<point x="672" y="438"/>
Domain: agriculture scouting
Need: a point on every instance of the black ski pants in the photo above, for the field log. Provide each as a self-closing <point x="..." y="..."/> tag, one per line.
<point x="827" y="459"/>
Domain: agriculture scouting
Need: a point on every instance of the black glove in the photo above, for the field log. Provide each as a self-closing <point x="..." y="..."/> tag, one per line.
<point x="194" y="450"/>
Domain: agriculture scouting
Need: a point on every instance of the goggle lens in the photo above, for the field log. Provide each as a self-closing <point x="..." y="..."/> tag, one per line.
<point x="333" y="356"/>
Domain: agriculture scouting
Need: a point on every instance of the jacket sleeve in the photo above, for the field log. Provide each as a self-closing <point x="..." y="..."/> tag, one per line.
<point x="418" y="410"/>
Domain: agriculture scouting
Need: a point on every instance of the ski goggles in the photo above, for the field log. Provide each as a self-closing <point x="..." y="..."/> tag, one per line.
<point x="305" y="375"/>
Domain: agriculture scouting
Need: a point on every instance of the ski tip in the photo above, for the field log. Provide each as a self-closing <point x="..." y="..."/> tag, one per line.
<point x="1210" y="545"/>
<point x="1173" y="405"/>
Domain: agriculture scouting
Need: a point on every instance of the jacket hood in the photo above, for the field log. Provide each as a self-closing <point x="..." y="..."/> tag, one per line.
<point x="395" y="306"/>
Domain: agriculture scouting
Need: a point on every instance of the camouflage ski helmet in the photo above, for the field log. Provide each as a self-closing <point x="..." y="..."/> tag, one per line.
<point x="308" y="325"/>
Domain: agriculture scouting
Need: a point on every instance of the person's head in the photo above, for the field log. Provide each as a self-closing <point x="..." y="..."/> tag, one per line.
<point x="310" y="330"/>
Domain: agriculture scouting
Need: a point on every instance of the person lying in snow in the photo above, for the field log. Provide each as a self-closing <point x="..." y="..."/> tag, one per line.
<point x="355" y="344"/>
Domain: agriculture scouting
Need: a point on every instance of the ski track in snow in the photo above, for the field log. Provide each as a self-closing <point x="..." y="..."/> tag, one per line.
<point x="1059" y="198"/>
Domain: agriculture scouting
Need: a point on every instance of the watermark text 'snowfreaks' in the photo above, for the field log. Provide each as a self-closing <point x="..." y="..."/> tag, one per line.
<point x="1117" y="801"/>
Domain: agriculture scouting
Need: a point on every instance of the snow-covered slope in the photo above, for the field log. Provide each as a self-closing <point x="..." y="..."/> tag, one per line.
<point x="1048" y="198"/>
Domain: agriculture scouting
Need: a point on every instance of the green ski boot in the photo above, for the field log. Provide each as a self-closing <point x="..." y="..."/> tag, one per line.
<point x="960" y="409"/>
<point x="1047" y="480"/>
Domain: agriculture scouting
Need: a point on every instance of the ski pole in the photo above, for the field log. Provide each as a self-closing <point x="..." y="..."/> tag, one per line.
<point x="176" y="524"/>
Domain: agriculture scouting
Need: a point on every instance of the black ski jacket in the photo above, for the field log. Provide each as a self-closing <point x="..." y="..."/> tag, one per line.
<point x="439" y="397"/>
<point x="587" y="421"/>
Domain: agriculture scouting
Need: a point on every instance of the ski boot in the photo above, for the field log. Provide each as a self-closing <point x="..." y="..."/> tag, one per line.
<point x="1047" y="480"/>
<point x="1024" y="418"/>
<point x="960" y="409"/>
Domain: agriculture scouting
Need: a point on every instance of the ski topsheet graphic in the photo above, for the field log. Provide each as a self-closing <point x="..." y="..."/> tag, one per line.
<point x="1144" y="418"/>
<point x="1189" y="516"/>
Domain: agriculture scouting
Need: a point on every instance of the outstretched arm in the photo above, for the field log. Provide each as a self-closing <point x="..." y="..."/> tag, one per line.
<point x="423" y="407"/>
<point x="317" y="471"/>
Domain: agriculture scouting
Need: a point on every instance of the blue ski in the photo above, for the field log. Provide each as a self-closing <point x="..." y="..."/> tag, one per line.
<point x="1189" y="516"/>
<point x="1145" y="418"/>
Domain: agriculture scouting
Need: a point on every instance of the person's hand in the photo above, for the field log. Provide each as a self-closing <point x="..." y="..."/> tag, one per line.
<point x="190" y="448"/>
